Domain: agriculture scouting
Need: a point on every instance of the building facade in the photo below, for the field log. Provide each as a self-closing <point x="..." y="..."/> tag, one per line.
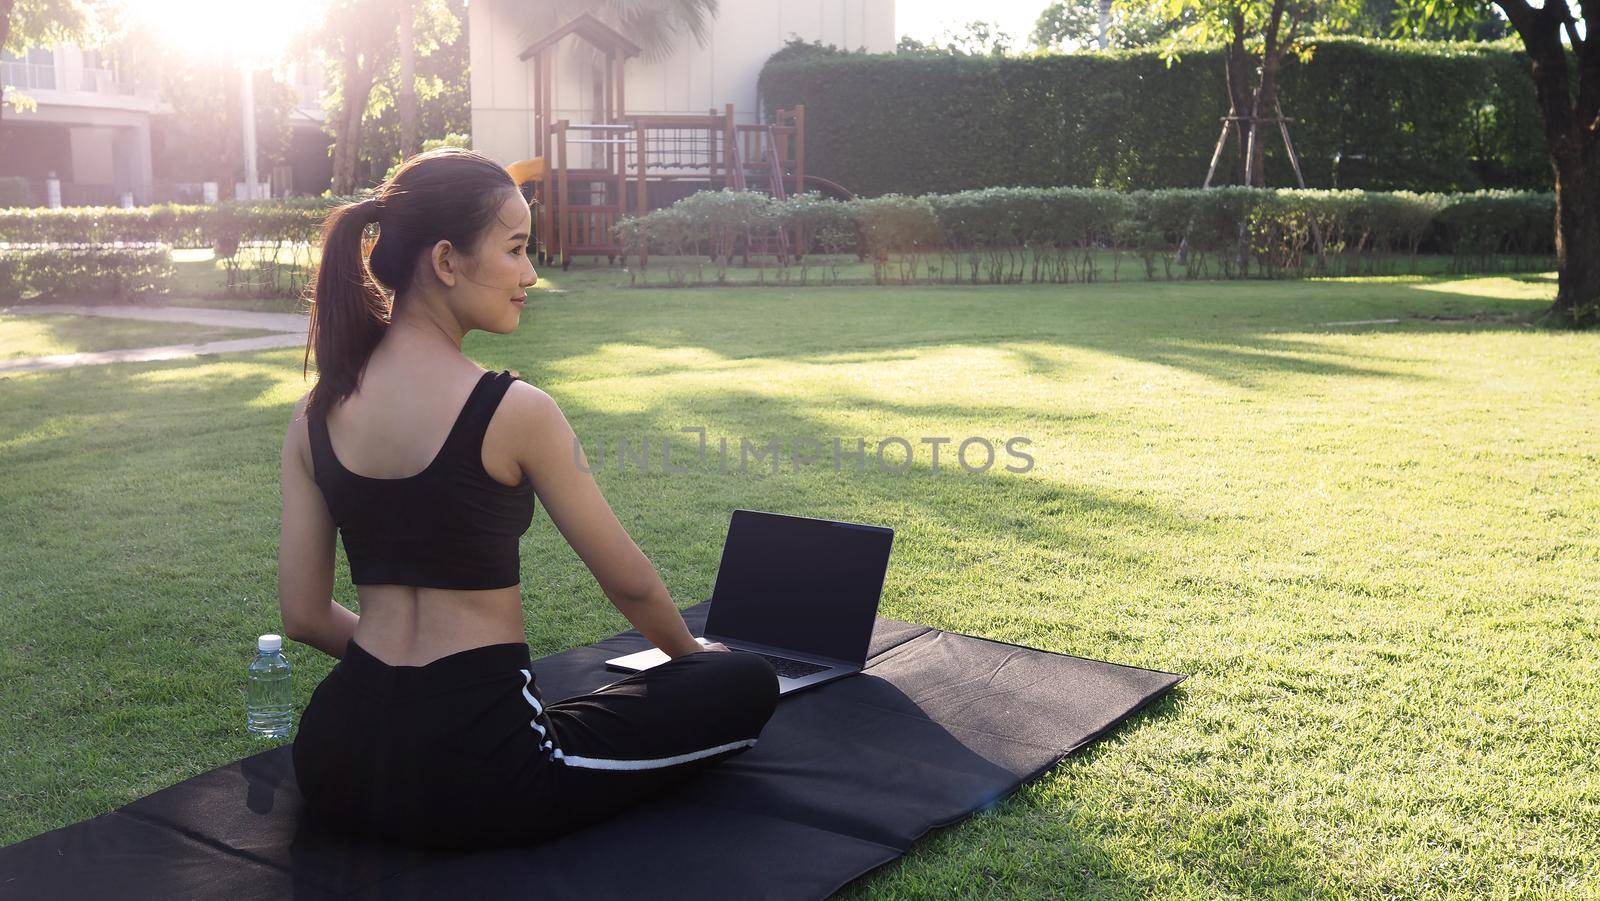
<point x="91" y="129"/>
<point x="693" y="79"/>
<point x="100" y="125"/>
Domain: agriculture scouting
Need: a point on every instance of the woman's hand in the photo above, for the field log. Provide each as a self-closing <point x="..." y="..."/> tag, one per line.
<point x="715" y="646"/>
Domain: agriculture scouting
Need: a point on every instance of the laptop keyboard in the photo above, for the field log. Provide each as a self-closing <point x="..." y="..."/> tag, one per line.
<point x="791" y="668"/>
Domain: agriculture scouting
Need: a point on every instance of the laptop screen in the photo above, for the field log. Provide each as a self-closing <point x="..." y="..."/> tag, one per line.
<point x="810" y="585"/>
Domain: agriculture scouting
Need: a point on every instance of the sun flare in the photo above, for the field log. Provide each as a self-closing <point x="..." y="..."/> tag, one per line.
<point x="204" y="28"/>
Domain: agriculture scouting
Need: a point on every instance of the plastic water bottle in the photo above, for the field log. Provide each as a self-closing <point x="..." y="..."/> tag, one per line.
<point x="268" y="696"/>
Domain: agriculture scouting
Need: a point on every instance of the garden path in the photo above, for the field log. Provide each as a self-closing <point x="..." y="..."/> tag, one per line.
<point x="292" y="326"/>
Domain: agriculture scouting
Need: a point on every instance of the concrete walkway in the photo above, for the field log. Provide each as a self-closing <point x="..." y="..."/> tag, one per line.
<point x="292" y="327"/>
<point x="146" y="354"/>
<point x="272" y="322"/>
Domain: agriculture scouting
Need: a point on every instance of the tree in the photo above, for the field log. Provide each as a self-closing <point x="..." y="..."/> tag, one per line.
<point x="378" y="112"/>
<point x="1070" y="24"/>
<point x="1390" y="18"/>
<point x="976" y="38"/>
<point x="1102" y="25"/>
<point x="206" y="127"/>
<point x="31" y="23"/>
<point x="656" y="25"/>
<point x="439" y="86"/>
<point x="356" y="35"/>
<point x="1564" y="60"/>
<point x="1257" y="36"/>
<point x="408" y="80"/>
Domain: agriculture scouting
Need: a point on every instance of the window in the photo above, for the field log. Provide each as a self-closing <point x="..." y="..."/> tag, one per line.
<point x="97" y="72"/>
<point x="35" y="69"/>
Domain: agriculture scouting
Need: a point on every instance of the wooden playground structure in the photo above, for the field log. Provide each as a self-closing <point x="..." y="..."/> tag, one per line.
<point x="584" y="177"/>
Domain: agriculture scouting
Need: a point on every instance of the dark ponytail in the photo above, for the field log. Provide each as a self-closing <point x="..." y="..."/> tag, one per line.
<point x="447" y="194"/>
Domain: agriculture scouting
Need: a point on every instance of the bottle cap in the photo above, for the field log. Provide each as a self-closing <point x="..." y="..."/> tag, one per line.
<point x="269" y="643"/>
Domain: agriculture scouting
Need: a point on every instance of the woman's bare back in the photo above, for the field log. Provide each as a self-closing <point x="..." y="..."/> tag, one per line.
<point x="391" y="428"/>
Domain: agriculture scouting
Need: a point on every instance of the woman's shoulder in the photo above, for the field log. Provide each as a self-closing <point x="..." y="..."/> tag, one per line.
<point x="297" y="437"/>
<point x="534" y="417"/>
<point x="526" y="399"/>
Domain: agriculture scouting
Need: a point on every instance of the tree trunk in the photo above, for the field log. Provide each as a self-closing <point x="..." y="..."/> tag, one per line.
<point x="1266" y="101"/>
<point x="1578" y="237"/>
<point x="1572" y="132"/>
<point x="347" y="141"/>
<point x="1103" y="26"/>
<point x="1265" y="97"/>
<point x="1238" y="61"/>
<point x="408" y="85"/>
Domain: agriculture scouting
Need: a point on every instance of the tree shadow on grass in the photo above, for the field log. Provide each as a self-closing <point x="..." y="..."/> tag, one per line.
<point x="952" y="525"/>
<point x="1259" y="361"/>
<point x="115" y="412"/>
<point x="1233" y="333"/>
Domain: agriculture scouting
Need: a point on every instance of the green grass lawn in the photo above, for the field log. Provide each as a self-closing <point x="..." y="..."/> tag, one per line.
<point x="39" y="334"/>
<point x="1372" y="546"/>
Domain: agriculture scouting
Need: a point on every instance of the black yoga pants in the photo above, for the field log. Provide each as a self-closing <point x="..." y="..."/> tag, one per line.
<point x="464" y="753"/>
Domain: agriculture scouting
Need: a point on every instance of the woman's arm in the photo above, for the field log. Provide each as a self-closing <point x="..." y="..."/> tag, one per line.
<point x="549" y="453"/>
<point x="306" y="552"/>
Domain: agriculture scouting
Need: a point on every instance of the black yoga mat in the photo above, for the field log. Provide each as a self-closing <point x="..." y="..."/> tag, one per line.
<point x="845" y="777"/>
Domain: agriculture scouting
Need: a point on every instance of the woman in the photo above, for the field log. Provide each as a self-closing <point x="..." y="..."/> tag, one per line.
<point x="431" y="730"/>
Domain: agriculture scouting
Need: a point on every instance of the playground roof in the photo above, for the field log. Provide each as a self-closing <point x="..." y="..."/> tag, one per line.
<point x="590" y="29"/>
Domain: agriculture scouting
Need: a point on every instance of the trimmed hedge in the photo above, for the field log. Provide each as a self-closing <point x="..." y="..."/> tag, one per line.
<point x="281" y="235"/>
<point x="1378" y="115"/>
<point x="221" y="225"/>
<point x="84" y="272"/>
<point x="1013" y="235"/>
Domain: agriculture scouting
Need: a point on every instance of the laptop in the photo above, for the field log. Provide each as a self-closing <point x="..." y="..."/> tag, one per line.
<point x="801" y="592"/>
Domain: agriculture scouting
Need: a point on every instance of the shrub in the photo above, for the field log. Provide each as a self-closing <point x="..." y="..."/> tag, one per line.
<point x="271" y="229"/>
<point x="824" y="223"/>
<point x="86" y="273"/>
<point x="896" y="224"/>
<point x="1011" y="235"/>
<point x="707" y="222"/>
<point x="1489" y="230"/>
<point x="180" y="225"/>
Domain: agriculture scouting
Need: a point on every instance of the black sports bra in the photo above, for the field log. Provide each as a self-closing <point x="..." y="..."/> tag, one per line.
<point x="452" y="525"/>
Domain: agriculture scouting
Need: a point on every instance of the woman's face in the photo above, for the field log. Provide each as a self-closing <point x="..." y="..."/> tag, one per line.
<point x="495" y="286"/>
